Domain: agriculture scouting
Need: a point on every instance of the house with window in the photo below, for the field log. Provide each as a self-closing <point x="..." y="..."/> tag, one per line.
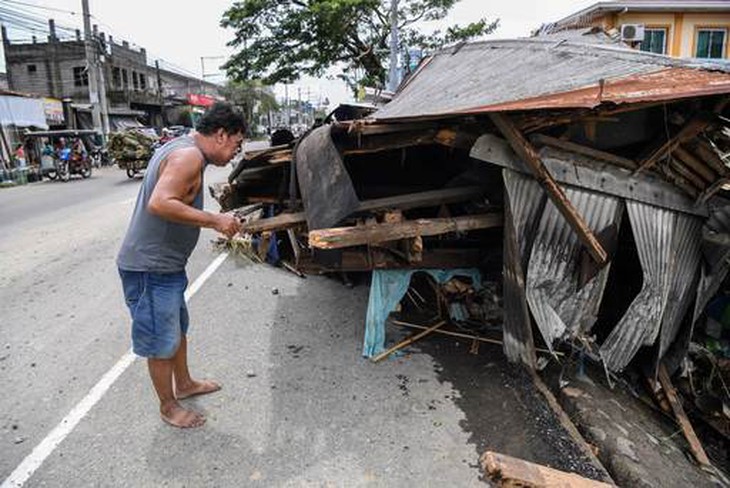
<point x="137" y="90"/>
<point x="679" y="28"/>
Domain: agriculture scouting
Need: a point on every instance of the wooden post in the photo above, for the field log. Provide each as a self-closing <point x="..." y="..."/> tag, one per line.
<point x="524" y="149"/>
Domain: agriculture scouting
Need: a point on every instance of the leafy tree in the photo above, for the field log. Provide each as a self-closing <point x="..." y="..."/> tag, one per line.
<point x="279" y="40"/>
<point x="252" y="96"/>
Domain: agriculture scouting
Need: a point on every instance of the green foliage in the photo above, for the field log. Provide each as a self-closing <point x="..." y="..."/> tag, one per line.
<point x="252" y="96"/>
<point x="280" y="40"/>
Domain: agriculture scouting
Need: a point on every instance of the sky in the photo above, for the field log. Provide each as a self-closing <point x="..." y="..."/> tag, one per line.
<point x="188" y="36"/>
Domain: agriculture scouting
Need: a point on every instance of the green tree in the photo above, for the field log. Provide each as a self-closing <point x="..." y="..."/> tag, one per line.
<point x="253" y="96"/>
<point x="280" y="40"/>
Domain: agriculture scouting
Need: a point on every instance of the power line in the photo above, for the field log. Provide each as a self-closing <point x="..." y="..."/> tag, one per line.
<point x="41" y="7"/>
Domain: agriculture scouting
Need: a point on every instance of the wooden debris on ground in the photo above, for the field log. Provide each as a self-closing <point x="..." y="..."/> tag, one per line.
<point x="509" y="471"/>
<point x="671" y="394"/>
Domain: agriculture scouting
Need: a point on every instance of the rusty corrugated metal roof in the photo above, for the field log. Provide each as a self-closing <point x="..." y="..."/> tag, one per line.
<point x="536" y="73"/>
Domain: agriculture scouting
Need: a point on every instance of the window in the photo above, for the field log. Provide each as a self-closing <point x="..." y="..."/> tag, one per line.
<point x="125" y="79"/>
<point x="135" y="80"/>
<point x="710" y="43"/>
<point x="655" y="41"/>
<point x="116" y="77"/>
<point x="32" y="68"/>
<point x="142" y="82"/>
<point x="81" y="76"/>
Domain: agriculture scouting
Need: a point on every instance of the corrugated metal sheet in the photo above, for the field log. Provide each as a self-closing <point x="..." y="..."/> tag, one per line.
<point x="653" y="229"/>
<point x="524" y="200"/>
<point x="716" y="257"/>
<point x="561" y="306"/>
<point x="528" y="200"/>
<point x="684" y="277"/>
<point x="535" y="73"/>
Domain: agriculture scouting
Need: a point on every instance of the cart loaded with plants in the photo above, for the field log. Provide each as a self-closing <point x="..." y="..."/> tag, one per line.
<point x="131" y="150"/>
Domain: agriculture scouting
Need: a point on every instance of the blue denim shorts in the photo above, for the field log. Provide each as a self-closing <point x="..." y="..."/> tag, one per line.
<point x="159" y="314"/>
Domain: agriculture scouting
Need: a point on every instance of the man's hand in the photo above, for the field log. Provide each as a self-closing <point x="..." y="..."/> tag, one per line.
<point x="227" y="224"/>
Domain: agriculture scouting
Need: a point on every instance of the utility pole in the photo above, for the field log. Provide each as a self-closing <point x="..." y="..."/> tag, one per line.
<point x="92" y="71"/>
<point x="160" y="97"/>
<point x="202" y="74"/>
<point x="393" y="70"/>
<point x="288" y="105"/>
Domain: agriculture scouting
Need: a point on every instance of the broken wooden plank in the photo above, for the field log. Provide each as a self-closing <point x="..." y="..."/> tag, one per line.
<point x="690" y="130"/>
<point x="407" y="342"/>
<point x="695" y="164"/>
<point x="339" y="237"/>
<point x="689" y="433"/>
<point x="509" y="471"/>
<point x="403" y="202"/>
<point x="584" y="150"/>
<point x="525" y="150"/>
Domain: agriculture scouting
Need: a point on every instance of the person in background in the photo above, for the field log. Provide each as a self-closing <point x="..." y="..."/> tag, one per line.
<point x="19" y="156"/>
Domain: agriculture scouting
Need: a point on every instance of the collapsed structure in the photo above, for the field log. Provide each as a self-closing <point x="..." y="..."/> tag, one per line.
<point x="591" y="176"/>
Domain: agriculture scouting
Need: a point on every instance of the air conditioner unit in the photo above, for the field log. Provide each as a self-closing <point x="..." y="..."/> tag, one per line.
<point x="632" y="32"/>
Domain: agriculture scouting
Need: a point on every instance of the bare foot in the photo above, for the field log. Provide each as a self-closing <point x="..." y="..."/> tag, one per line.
<point x="174" y="414"/>
<point x="197" y="388"/>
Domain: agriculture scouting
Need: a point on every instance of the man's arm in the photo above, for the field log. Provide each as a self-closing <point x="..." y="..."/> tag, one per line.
<point x="177" y="184"/>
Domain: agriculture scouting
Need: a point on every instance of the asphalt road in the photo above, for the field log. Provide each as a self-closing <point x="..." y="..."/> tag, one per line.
<point x="299" y="407"/>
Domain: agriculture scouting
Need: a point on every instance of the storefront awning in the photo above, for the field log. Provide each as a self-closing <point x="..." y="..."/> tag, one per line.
<point x="22" y="112"/>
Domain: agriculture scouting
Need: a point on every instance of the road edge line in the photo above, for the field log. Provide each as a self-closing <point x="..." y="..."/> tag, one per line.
<point x="40" y="453"/>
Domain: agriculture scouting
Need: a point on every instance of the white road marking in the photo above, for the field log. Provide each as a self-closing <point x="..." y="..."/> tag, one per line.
<point x="128" y="201"/>
<point x="33" y="461"/>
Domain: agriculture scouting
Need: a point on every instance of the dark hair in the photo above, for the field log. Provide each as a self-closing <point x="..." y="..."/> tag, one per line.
<point x="221" y="115"/>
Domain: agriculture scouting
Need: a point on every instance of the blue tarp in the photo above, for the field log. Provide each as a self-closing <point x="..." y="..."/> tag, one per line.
<point x="388" y="288"/>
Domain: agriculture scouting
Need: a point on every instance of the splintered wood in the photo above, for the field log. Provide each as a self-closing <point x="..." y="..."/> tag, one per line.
<point x="508" y="471"/>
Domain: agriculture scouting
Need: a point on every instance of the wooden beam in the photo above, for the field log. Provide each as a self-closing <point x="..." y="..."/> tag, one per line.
<point x="710" y="157"/>
<point x="509" y="471"/>
<point x="403" y="202"/>
<point x="694" y="443"/>
<point x="525" y="150"/>
<point x="584" y="150"/>
<point x="687" y="174"/>
<point x="359" y="259"/>
<point x="688" y="132"/>
<point x="695" y="164"/>
<point x="339" y="237"/>
<point x="712" y="189"/>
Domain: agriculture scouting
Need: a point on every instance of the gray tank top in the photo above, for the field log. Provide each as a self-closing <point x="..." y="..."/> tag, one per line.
<point x="154" y="244"/>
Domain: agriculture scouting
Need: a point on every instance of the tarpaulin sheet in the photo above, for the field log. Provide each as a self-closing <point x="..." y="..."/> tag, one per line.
<point x="22" y="112"/>
<point x="387" y="289"/>
<point x="327" y="191"/>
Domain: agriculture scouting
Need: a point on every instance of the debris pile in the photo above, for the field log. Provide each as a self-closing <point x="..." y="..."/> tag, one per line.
<point x="592" y="179"/>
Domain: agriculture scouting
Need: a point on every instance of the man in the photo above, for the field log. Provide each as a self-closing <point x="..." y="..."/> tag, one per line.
<point x="162" y="234"/>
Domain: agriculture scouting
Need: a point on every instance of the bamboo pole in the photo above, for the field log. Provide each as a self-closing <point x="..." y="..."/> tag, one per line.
<point x="407" y="342"/>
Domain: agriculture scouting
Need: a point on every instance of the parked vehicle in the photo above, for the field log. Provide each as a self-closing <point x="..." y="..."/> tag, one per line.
<point x="63" y="152"/>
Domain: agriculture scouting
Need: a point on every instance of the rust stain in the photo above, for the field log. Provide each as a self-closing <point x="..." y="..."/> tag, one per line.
<point x="666" y="84"/>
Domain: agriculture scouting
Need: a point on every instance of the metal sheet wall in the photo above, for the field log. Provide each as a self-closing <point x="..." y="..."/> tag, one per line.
<point x="561" y="306"/>
<point x="523" y="203"/>
<point x="653" y="229"/>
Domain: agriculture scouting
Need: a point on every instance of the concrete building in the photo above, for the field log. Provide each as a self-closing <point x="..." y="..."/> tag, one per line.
<point x="679" y="28"/>
<point x="136" y="90"/>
